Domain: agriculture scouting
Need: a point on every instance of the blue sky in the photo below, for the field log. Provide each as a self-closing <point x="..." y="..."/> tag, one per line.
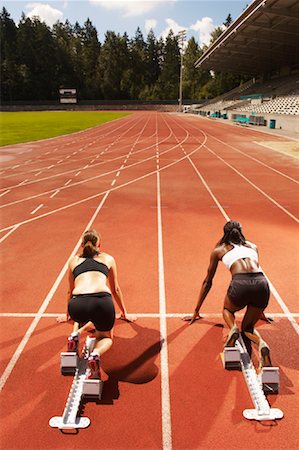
<point x="198" y="17"/>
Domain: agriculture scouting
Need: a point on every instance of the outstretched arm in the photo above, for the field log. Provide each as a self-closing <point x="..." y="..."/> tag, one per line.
<point x="206" y="286"/>
<point x="66" y="317"/>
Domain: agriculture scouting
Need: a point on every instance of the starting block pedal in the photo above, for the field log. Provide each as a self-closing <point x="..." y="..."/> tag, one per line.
<point x="231" y="358"/>
<point x="93" y="388"/>
<point x="68" y="362"/>
<point x="270" y="380"/>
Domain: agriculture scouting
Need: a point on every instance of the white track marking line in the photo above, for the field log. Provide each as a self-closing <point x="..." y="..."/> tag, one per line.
<point x="38" y="173"/>
<point x="113" y="182"/>
<point x="22" y="182"/>
<point x="84" y="200"/>
<point x="68" y="182"/>
<point x="37" y="208"/>
<point x="54" y="193"/>
<point x="255" y="159"/>
<point x="254" y="186"/>
<point x="78" y="173"/>
<point x="272" y="288"/>
<point x="276" y="150"/>
<point x="4" y="193"/>
<point x="10" y="366"/>
<point x="150" y="315"/>
<point x="165" y="394"/>
<point x="8" y="234"/>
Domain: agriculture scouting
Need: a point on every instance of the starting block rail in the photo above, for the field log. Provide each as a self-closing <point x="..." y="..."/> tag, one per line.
<point x="255" y="384"/>
<point x="81" y="387"/>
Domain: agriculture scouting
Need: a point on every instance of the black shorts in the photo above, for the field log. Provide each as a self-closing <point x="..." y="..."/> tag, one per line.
<point x="97" y="308"/>
<point x="249" y="289"/>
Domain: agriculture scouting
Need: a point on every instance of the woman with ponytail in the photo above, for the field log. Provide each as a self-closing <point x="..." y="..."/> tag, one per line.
<point x="248" y="288"/>
<point x="93" y="280"/>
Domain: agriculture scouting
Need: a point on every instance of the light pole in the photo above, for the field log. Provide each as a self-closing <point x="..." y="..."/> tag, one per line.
<point x="181" y="40"/>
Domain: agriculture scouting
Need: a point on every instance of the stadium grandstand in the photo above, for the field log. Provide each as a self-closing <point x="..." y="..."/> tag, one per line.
<point x="263" y="44"/>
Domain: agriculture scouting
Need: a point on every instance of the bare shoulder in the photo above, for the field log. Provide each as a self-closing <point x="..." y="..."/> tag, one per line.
<point x="106" y="259"/>
<point x="73" y="261"/>
<point x="219" y="251"/>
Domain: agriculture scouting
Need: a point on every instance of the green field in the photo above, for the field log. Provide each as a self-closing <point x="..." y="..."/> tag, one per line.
<point x="17" y="127"/>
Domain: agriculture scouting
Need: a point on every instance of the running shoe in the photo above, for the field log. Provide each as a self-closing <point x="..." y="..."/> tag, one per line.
<point x="233" y="336"/>
<point x="94" y="366"/>
<point x="265" y="360"/>
<point x="73" y="343"/>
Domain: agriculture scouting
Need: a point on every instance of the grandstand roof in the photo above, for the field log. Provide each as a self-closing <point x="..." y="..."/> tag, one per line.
<point x="265" y="37"/>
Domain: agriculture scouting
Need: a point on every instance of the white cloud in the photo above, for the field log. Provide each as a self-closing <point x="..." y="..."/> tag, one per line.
<point x="204" y="27"/>
<point x="150" y="24"/>
<point x="130" y="8"/>
<point x="172" y="25"/>
<point x="45" y="12"/>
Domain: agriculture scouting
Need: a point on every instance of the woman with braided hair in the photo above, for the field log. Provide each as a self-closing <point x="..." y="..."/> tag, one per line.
<point x="248" y="288"/>
<point x="90" y="300"/>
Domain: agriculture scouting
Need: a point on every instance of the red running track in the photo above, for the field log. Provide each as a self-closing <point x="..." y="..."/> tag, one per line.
<point x="159" y="187"/>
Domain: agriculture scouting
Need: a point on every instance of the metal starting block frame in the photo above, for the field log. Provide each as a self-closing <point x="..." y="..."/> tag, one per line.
<point x="256" y="385"/>
<point x="81" y="387"/>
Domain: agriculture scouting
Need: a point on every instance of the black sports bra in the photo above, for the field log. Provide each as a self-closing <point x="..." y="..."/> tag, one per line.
<point x="90" y="265"/>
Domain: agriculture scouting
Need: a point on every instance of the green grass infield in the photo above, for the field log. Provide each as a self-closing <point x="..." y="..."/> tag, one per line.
<point x="17" y="127"/>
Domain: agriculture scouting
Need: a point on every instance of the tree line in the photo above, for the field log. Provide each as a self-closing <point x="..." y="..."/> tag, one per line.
<point x="38" y="60"/>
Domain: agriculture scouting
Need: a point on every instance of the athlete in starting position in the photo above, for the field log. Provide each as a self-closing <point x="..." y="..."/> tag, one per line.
<point x="90" y="298"/>
<point x="248" y="287"/>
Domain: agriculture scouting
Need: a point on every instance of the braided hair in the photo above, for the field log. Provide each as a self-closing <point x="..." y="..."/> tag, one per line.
<point x="90" y="241"/>
<point x="233" y="233"/>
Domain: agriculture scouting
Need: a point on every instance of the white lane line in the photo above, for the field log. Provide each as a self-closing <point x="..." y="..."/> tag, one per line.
<point x="38" y="173"/>
<point x="54" y="193"/>
<point x="50" y="167"/>
<point x="113" y="182"/>
<point x="37" y="208"/>
<point x="4" y="193"/>
<point x="118" y="173"/>
<point x="10" y="366"/>
<point x="22" y="182"/>
<point x="165" y="400"/>
<point x="77" y="173"/>
<point x="84" y="200"/>
<point x="8" y="234"/>
<point x="254" y="185"/>
<point x="273" y="289"/>
<point x="275" y="149"/>
<point x="59" y="161"/>
<point x="68" y="182"/>
<point x="152" y="315"/>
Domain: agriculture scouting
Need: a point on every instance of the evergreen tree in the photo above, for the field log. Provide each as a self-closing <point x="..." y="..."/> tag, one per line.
<point x="113" y="63"/>
<point x="193" y="78"/>
<point x="8" y="64"/>
<point x="168" y="83"/>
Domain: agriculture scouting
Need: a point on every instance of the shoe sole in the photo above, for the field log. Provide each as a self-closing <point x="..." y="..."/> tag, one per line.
<point x="265" y="357"/>
<point x="232" y="340"/>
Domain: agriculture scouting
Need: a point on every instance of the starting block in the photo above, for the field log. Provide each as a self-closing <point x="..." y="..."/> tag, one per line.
<point x="68" y="363"/>
<point x="82" y="387"/>
<point x="257" y="385"/>
<point x="270" y="380"/>
<point x="232" y="358"/>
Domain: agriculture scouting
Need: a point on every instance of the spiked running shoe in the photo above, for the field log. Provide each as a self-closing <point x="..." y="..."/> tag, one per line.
<point x="94" y="366"/>
<point x="73" y="343"/>
<point x="232" y="337"/>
